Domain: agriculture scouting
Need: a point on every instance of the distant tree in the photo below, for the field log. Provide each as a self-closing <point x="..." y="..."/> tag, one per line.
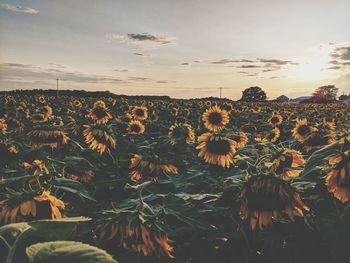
<point x="344" y="97"/>
<point x="326" y="93"/>
<point x="253" y="94"/>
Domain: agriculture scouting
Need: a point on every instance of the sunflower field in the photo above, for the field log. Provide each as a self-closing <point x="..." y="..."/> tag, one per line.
<point x="132" y="179"/>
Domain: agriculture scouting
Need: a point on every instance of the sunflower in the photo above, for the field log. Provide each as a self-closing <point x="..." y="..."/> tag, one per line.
<point x="138" y="238"/>
<point x="43" y="206"/>
<point x="181" y="132"/>
<point x="77" y="103"/>
<point x="338" y="178"/>
<point x="241" y="139"/>
<point x="78" y="174"/>
<point x="39" y="118"/>
<point x="215" y="119"/>
<point x="41" y="99"/>
<point x="275" y="120"/>
<point x="99" y="137"/>
<point x="143" y="169"/>
<point x="284" y="162"/>
<point x="35" y="167"/>
<point x="140" y="112"/>
<point x="272" y="136"/>
<point x="135" y="127"/>
<point x="302" y="130"/>
<point x="46" y="110"/>
<point x="3" y="125"/>
<point x="45" y="135"/>
<point x="264" y="198"/>
<point x="99" y="113"/>
<point x="216" y="150"/>
<point x="8" y="151"/>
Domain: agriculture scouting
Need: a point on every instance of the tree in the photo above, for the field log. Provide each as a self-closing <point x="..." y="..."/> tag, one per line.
<point x="253" y="94"/>
<point x="344" y="97"/>
<point x="326" y="93"/>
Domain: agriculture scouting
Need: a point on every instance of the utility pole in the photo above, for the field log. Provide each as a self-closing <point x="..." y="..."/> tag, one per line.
<point x="220" y="92"/>
<point x="57" y="87"/>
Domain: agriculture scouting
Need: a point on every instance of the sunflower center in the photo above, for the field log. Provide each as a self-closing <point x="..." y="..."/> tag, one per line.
<point x="219" y="147"/>
<point x="303" y="130"/>
<point x="100" y="112"/>
<point x="274" y="120"/>
<point x="135" y="128"/>
<point x="178" y="132"/>
<point x="215" y="118"/>
<point x="139" y="112"/>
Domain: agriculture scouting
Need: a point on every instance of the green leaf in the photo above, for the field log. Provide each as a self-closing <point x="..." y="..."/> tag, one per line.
<point x="56" y="229"/>
<point x="67" y="252"/>
<point x="74" y="187"/>
<point x="319" y="156"/>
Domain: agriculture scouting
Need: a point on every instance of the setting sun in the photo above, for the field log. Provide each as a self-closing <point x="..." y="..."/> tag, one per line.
<point x="311" y="71"/>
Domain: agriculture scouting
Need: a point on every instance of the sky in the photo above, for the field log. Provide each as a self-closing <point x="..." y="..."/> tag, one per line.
<point x="180" y="48"/>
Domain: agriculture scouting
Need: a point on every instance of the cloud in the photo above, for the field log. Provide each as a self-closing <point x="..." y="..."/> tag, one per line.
<point x="19" y="9"/>
<point x="121" y="70"/>
<point x="249" y="66"/>
<point x="277" y="61"/>
<point x="141" y="38"/>
<point x="340" y="58"/>
<point x="141" y="54"/>
<point x="342" y="53"/>
<point x="165" y="81"/>
<point x="150" y="37"/>
<point x="185" y="64"/>
<point x="57" y="65"/>
<point x="31" y="73"/>
<point x="139" y="79"/>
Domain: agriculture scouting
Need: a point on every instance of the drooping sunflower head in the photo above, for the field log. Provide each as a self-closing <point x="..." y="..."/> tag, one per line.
<point x="286" y="163"/>
<point x="135" y="127"/>
<point x="181" y="132"/>
<point x="99" y="137"/>
<point x="272" y="136"/>
<point x="275" y="120"/>
<point x="8" y="151"/>
<point x="46" y="110"/>
<point x="266" y="198"/>
<point x="42" y="206"/>
<point x="215" y="119"/>
<point x="216" y="150"/>
<point x="47" y="135"/>
<point x="137" y="237"/>
<point x="99" y="112"/>
<point x="35" y="167"/>
<point x="79" y="174"/>
<point x="302" y="130"/>
<point x="142" y="169"/>
<point x="338" y="177"/>
<point x="140" y="112"/>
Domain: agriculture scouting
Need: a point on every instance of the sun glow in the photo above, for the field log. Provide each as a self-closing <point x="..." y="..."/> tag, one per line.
<point x="312" y="71"/>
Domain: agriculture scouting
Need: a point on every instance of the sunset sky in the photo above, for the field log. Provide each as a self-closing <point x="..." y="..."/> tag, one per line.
<point x="180" y="48"/>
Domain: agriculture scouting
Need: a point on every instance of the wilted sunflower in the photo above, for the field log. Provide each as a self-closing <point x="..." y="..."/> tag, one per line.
<point x="138" y="238"/>
<point x="47" y="135"/>
<point x="181" y="132"/>
<point x="215" y="119"/>
<point x="270" y="137"/>
<point x="3" y="125"/>
<point x="135" y="127"/>
<point x="276" y="120"/>
<point x="216" y="150"/>
<point x="266" y="198"/>
<point x="43" y="206"/>
<point x="78" y="174"/>
<point x="99" y="113"/>
<point x="285" y="162"/>
<point x="302" y="130"/>
<point x="99" y="137"/>
<point x="140" y="113"/>
<point x="149" y="170"/>
<point x="8" y="151"/>
<point x="338" y="178"/>
<point x="35" y="167"/>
